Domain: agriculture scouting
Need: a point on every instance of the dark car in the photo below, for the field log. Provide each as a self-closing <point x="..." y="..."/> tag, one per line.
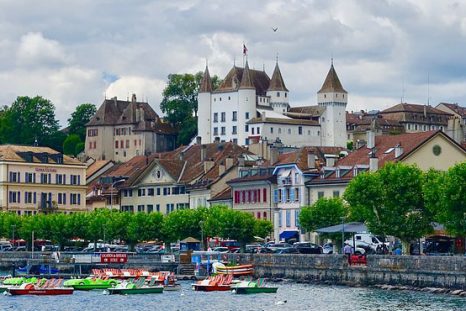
<point x="265" y="250"/>
<point x="308" y="248"/>
<point x="287" y="250"/>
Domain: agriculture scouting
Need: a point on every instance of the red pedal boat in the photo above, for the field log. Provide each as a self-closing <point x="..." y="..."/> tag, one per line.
<point x="214" y="284"/>
<point x="50" y="288"/>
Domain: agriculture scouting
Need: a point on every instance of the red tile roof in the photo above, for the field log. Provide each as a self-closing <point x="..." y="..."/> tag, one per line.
<point x="223" y="195"/>
<point x="404" y="107"/>
<point x="300" y="156"/>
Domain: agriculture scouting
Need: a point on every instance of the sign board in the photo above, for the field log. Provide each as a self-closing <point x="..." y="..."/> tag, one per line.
<point x="113" y="257"/>
<point x="167" y="258"/>
<point x="82" y="258"/>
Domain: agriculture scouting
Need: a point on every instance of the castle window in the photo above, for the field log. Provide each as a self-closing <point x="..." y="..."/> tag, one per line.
<point x="343" y="95"/>
<point x="116" y="144"/>
<point x="279" y="130"/>
<point x="223" y="117"/>
<point x="246" y="115"/>
<point x="308" y="132"/>
<point x="215" y="130"/>
<point x="229" y="97"/>
<point x="220" y="99"/>
<point x="258" y="130"/>
<point x="286" y="95"/>
<point x="325" y="95"/>
<point x="252" y="130"/>
<point x="246" y="128"/>
<point x="289" y="131"/>
<point x="235" y="116"/>
<point x="336" y="95"/>
<point x="215" y="117"/>
<point x="278" y="94"/>
<point x="234" y="131"/>
<point x="300" y="130"/>
<point x="215" y="99"/>
<point x="223" y="130"/>
<point x="271" y="130"/>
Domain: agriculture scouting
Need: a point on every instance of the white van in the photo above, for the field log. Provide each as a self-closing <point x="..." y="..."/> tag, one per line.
<point x="4" y="245"/>
<point x="367" y="239"/>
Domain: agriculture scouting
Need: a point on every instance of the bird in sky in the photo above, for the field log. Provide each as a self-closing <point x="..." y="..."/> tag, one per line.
<point x="275" y="29"/>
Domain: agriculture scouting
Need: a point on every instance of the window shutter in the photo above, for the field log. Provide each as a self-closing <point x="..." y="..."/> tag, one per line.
<point x="283" y="195"/>
<point x="292" y="194"/>
<point x="275" y="196"/>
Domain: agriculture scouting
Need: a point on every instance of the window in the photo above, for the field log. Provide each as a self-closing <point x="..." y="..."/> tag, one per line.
<point x="286" y="95"/>
<point x="280" y="218"/>
<point x="92" y="132"/>
<point x="296" y="194"/>
<point x="166" y="191"/>
<point x="320" y="194"/>
<point x="296" y="218"/>
<point x="252" y="130"/>
<point x="141" y="192"/>
<point x="75" y="198"/>
<point x="234" y="131"/>
<point x="116" y="144"/>
<point x="140" y="208"/>
<point x="157" y="207"/>
<point x="45" y="178"/>
<point x="75" y="180"/>
<point x="246" y="115"/>
<point x="264" y="195"/>
<point x="288" y="219"/>
<point x="223" y="117"/>
<point x="150" y="208"/>
<point x="14" y="197"/>
<point x="30" y="177"/>
<point x="158" y="191"/>
<point x="246" y="128"/>
<point x="223" y="131"/>
<point x="14" y="177"/>
<point x="258" y="130"/>
<point x="279" y="130"/>
<point x="289" y="131"/>
<point x="300" y="130"/>
<point x="60" y="179"/>
<point x="150" y="192"/>
<point x="215" y="117"/>
<point x="127" y="143"/>
<point x="27" y="197"/>
<point x="235" y="116"/>
<point x="271" y="130"/>
<point x="246" y="141"/>
<point x="336" y="194"/>
<point x="215" y="131"/>
<point x="278" y="94"/>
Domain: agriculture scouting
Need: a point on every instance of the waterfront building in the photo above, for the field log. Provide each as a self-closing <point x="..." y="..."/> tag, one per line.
<point x="40" y="180"/>
<point x="432" y="149"/>
<point x="417" y="118"/>
<point x="121" y="130"/>
<point x="249" y="107"/>
<point x="160" y="182"/>
<point x="457" y="122"/>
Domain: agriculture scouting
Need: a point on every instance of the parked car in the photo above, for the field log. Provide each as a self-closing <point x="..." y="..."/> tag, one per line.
<point x="287" y="250"/>
<point x="265" y="250"/>
<point x="278" y="245"/>
<point x="327" y="248"/>
<point x="308" y="248"/>
<point x="221" y="249"/>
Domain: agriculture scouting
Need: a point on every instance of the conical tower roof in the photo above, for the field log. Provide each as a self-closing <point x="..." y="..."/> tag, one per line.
<point x="332" y="83"/>
<point x="277" y="83"/>
<point x="206" y="82"/>
<point x="246" y="81"/>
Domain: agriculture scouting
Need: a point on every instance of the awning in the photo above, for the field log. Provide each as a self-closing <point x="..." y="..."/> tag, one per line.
<point x="288" y="234"/>
<point x="354" y="227"/>
<point x="285" y="173"/>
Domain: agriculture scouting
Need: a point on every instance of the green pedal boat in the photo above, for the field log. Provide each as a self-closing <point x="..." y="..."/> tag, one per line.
<point x="90" y="283"/>
<point x="135" y="288"/>
<point x="250" y="287"/>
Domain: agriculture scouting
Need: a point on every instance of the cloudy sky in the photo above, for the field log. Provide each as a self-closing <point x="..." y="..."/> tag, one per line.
<point x="73" y="52"/>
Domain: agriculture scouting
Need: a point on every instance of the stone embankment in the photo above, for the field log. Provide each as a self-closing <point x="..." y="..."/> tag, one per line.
<point x="420" y="272"/>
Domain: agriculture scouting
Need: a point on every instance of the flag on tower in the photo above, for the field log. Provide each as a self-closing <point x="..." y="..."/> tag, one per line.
<point x="245" y="49"/>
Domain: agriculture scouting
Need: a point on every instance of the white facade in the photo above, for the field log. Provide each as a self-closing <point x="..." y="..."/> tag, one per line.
<point x="333" y="120"/>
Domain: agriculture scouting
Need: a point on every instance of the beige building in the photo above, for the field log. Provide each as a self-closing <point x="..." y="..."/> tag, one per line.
<point x="433" y="149"/>
<point x="121" y="130"/>
<point x="40" y="179"/>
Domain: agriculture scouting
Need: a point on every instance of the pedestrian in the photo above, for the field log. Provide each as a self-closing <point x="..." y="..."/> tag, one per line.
<point x="348" y="250"/>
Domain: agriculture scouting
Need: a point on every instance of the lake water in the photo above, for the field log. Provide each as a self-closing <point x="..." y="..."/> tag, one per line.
<point x="298" y="297"/>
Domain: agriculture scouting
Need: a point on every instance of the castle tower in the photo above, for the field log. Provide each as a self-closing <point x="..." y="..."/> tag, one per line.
<point x="246" y="104"/>
<point x="204" y="102"/>
<point x="334" y="98"/>
<point x="278" y="92"/>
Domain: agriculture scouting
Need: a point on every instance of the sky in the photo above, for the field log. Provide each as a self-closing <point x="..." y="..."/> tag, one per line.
<point x="384" y="52"/>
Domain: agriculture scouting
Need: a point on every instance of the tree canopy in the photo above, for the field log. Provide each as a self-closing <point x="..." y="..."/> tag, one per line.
<point x="30" y="119"/>
<point x="323" y="213"/>
<point x="82" y="115"/>
<point x="179" y="103"/>
<point x="390" y="201"/>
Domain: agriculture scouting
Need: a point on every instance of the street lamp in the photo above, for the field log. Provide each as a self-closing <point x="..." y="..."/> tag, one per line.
<point x="202" y="234"/>
<point x="343" y="232"/>
<point x="111" y="191"/>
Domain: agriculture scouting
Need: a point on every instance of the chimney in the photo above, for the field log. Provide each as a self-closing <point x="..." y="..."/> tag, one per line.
<point x="241" y="161"/>
<point x="221" y="169"/>
<point x="228" y="162"/>
<point x="208" y="164"/>
<point x="133" y="98"/>
<point x="273" y="155"/>
<point x="198" y="140"/>
<point x="181" y="155"/>
<point x="370" y="139"/>
<point x="311" y="160"/>
<point x="398" y="150"/>
<point x="373" y="161"/>
<point x="203" y="152"/>
<point x="263" y="116"/>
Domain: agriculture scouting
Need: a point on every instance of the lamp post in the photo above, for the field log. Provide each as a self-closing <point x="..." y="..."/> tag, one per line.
<point x="342" y="232"/>
<point x="111" y="191"/>
<point x="201" y="223"/>
<point x="13" y="227"/>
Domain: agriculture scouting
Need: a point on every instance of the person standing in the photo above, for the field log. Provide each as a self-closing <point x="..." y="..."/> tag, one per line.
<point x="348" y="250"/>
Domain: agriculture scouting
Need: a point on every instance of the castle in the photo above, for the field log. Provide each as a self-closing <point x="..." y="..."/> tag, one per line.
<point x="249" y="107"/>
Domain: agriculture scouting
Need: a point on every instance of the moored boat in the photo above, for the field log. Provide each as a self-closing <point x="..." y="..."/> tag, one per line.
<point x="214" y="284"/>
<point x="235" y="270"/>
<point x="50" y="288"/>
<point x="136" y="287"/>
<point x="250" y="287"/>
<point x="91" y="283"/>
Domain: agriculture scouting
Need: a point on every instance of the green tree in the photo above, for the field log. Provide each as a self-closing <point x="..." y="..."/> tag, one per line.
<point x="79" y="118"/>
<point x="393" y="203"/>
<point x="179" y="103"/>
<point x="445" y="195"/>
<point x="323" y="213"/>
<point x="29" y="119"/>
<point x="70" y="144"/>
<point x="79" y="148"/>
<point x="262" y="228"/>
<point x="184" y="223"/>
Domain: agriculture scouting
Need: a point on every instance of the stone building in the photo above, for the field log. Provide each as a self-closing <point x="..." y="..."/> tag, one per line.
<point x="40" y="180"/>
<point x="457" y="122"/>
<point x="249" y="106"/>
<point x="121" y="130"/>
